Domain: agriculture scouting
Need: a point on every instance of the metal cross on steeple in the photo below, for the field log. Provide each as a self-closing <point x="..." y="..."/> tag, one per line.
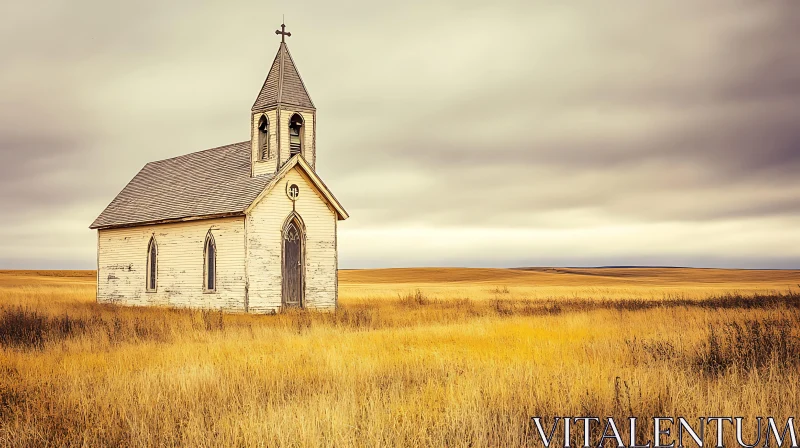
<point x="284" y="34"/>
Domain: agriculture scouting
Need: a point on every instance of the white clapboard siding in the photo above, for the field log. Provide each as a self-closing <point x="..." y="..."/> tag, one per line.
<point x="280" y="128"/>
<point x="264" y="238"/>
<point x="122" y="261"/>
<point x="308" y="134"/>
<point x="268" y="166"/>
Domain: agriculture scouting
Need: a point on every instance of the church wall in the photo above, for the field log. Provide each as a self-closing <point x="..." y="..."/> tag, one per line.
<point x="268" y="166"/>
<point x="309" y="149"/>
<point x="264" y="244"/>
<point x="122" y="261"/>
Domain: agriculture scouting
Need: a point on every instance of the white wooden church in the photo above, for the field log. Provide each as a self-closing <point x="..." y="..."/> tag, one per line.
<point x="246" y="227"/>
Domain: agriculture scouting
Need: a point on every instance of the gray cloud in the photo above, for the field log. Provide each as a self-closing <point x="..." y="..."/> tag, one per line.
<point x="577" y="118"/>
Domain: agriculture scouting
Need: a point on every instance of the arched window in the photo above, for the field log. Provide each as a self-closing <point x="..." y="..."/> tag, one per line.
<point x="210" y="255"/>
<point x="295" y="135"/>
<point x="263" y="138"/>
<point x="152" y="265"/>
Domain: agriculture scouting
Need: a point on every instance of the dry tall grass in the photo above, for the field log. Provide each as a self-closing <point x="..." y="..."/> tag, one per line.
<point x="411" y="367"/>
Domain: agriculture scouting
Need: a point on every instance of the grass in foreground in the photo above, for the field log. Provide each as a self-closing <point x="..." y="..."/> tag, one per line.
<point x="410" y="369"/>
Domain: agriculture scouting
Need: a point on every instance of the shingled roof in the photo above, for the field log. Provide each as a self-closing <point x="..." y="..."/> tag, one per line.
<point x="214" y="182"/>
<point x="283" y="84"/>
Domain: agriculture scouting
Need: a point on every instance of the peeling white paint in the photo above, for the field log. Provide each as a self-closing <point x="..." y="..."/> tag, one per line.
<point x="249" y="257"/>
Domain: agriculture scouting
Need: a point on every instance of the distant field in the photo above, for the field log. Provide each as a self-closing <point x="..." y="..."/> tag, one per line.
<point x="555" y="283"/>
<point x="412" y="357"/>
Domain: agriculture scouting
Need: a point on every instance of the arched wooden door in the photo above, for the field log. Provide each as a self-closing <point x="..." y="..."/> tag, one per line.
<point x="293" y="263"/>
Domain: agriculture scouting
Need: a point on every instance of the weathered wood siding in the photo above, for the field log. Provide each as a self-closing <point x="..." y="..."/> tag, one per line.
<point x="279" y="127"/>
<point x="264" y="166"/>
<point x="122" y="261"/>
<point x="309" y="150"/>
<point x="264" y="237"/>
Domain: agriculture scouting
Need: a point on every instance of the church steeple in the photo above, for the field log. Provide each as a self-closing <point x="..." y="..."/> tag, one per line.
<point x="283" y="117"/>
<point x="283" y="84"/>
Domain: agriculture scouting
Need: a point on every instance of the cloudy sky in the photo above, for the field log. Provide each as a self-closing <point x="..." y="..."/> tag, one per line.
<point x="458" y="133"/>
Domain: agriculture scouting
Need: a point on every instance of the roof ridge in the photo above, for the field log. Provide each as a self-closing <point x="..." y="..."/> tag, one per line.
<point x="197" y="152"/>
<point x="281" y="50"/>
<point x="264" y="85"/>
<point x="300" y="77"/>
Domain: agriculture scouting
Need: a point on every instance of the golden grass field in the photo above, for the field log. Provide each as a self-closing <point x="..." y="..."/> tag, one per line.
<point x="412" y="357"/>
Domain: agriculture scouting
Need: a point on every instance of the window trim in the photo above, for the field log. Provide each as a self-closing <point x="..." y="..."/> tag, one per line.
<point x="209" y="242"/>
<point x="301" y="133"/>
<point x="263" y="145"/>
<point x="151" y="271"/>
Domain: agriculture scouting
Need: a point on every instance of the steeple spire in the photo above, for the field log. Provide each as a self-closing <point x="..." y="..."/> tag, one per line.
<point x="283" y="85"/>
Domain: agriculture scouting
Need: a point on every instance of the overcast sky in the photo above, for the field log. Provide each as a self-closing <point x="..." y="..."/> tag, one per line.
<point x="455" y="133"/>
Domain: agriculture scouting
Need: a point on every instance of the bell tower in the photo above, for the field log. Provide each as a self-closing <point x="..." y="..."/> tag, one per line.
<point x="283" y="118"/>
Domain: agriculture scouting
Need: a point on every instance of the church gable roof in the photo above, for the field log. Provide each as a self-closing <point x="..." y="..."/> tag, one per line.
<point x="299" y="162"/>
<point x="210" y="183"/>
<point x="283" y="84"/>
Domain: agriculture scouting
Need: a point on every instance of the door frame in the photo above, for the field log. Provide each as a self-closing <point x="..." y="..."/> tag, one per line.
<point x="294" y="217"/>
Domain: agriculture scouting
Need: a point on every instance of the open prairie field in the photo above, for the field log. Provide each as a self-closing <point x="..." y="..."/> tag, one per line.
<point x="412" y="357"/>
<point x="563" y="283"/>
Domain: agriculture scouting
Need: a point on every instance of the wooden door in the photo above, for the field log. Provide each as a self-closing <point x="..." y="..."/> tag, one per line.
<point x="292" y="265"/>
